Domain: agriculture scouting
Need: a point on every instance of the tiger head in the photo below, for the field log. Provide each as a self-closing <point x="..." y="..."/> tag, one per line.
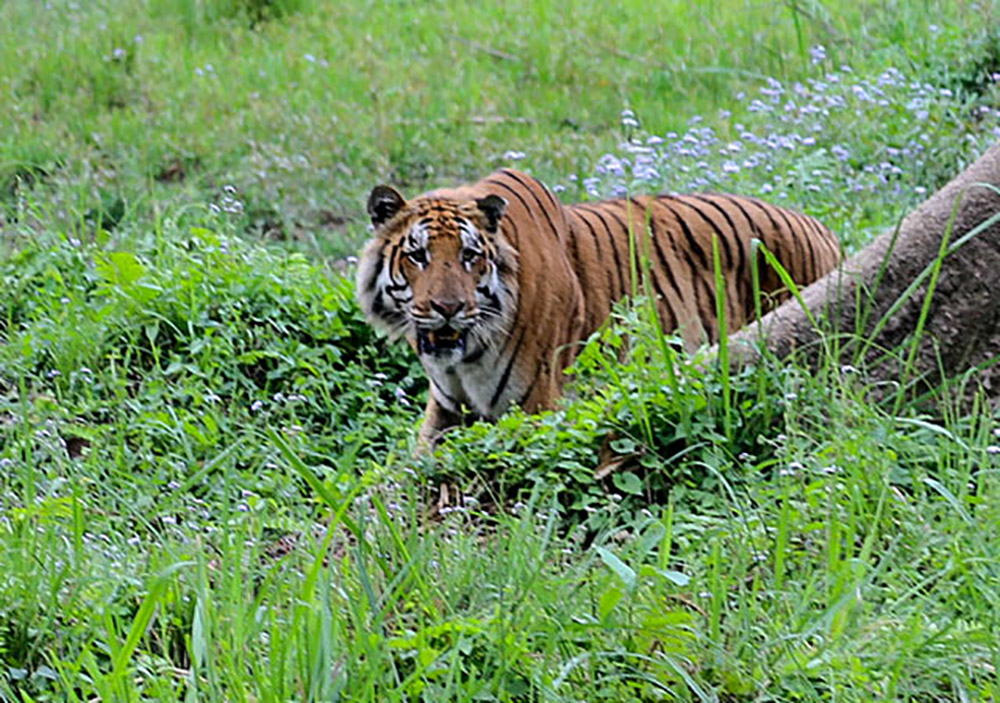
<point x="439" y="271"/>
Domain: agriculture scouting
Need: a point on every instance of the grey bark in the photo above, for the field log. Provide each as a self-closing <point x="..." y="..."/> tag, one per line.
<point x="961" y="331"/>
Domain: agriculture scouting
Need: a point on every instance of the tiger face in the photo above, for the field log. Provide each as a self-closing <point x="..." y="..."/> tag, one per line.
<point x="439" y="272"/>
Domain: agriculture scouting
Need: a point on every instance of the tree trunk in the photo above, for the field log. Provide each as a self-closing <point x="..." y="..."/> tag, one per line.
<point x="960" y="331"/>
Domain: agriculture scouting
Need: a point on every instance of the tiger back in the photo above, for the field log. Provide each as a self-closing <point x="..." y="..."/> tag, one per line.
<point x="495" y="283"/>
<point x="677" y="235"/>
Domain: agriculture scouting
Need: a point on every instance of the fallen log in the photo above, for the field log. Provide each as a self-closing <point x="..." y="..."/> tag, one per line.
<point x="873" y="312"/>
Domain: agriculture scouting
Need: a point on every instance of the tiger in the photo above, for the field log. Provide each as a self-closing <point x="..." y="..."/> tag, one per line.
<point x="495" y="284"/>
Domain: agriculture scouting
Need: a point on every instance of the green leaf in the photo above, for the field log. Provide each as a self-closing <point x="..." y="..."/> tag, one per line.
<point x="620" y="568"/>
<point x="623" y="445"/>
<point x="675" y="577"/>
<point x="628" y="482"/>
<point x="121" y="268"/>
<point x="609" y="599"/>
<point x="152" y="331"/>
<point x="143" y="617"/>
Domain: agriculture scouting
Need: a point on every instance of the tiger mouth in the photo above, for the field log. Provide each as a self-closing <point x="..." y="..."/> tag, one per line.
<point x="441" y="341"/>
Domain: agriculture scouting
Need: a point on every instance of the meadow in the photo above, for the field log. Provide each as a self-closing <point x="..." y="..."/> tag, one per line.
<point x="207" y="488"/>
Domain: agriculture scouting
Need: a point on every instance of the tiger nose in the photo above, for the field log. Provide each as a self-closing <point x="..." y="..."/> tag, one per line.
<point x="447" y="308"/>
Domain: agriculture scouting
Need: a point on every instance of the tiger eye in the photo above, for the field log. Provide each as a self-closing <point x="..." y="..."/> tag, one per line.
<point x="417" y="256"/>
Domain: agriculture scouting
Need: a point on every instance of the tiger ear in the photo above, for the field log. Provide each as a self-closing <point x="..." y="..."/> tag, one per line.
<point x="383" y="203"/>
<point x="493" y="207"/>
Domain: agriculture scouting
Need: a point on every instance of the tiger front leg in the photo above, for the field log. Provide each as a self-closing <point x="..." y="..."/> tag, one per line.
<point x="437" y="419"/>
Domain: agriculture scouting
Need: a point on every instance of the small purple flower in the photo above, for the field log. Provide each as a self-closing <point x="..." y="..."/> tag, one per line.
<point x="630" y="121"/>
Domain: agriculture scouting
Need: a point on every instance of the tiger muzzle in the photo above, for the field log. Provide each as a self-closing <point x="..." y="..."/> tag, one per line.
<point x="446" y="339"/>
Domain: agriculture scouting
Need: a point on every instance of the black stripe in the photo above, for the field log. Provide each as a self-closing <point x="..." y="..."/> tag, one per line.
<point x="538" y="201"/>
<point x="646" y="215"/>
<point x="727" y="264"/>
<point x="663" y="259"/>
<point x="686" y="230"/>
<point x="494" y="302"/>
<point x="516" y="194"/>
<point x="474" y="356"/>
<point x="737" y="202"/>
<point x="648" y="226"/>
<point x="574" y="250"/>
<point x="597" y="243"/>
<point x="600" y="212"/>
<point x="782" y="213"/>
<point x="741" y="264"/>
<point x="695" y="277"/>
<point x="379" y="267"/>
<point x="643" y="210"/>
<point x="373" y="279"/>
<point x="506" y="372"/>
<point x="774" y="246"/>
<point x="394" y="260"/>
<point x="723" y="241"/>
<point x="742" y="298"/>
<point x="511" y="226"/>
<point x="552" y="198"/>
<point x="793" y="237"/>
<point x="531" y="386"/>
<point x="662" y="298"/>
<point x="809" y="232"/>
<point x="491" y="296"/>
<point x="630" y="233"/>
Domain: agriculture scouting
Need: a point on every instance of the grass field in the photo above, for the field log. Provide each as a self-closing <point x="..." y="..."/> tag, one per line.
<point x="206" y="490"/>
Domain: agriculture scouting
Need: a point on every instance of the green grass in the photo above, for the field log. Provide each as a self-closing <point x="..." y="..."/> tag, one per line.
<point x="206" y="490"/>
<point x="141" y="105"/>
